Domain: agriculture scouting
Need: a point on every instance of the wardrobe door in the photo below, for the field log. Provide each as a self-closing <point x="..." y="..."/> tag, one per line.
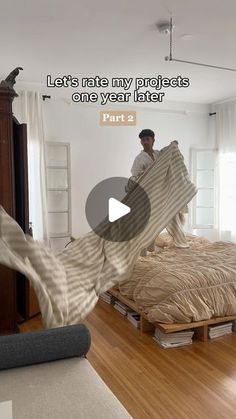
<point x="7" y="200"/>
<point x="27" y="303"/>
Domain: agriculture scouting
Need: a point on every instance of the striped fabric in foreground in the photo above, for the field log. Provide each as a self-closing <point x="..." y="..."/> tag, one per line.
<point x="68" y="283"/>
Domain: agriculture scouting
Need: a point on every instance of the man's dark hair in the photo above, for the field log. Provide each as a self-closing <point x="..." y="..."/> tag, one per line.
<point x="146" y="133"/>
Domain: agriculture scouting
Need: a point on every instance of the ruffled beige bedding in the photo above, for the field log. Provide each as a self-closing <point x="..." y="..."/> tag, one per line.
<point x="185" y="285"/>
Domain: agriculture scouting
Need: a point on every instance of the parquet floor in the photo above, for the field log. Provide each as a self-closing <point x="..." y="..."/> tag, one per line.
<point x="197" y="381"/>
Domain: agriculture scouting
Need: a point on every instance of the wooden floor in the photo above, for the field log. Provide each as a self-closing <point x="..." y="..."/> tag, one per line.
<point x="197" y="381"/>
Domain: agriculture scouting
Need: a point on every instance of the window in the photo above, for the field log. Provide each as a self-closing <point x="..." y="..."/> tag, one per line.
<point x="227" y="196"/>
<point x="58" y="193"/>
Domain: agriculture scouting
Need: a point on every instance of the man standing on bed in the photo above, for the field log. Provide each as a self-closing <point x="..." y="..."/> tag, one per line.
<point x="147" y="156"/>
<point x="141" y="162"/>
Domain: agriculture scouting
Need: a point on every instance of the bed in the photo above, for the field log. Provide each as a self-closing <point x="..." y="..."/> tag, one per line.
<point x="174" y="286"/>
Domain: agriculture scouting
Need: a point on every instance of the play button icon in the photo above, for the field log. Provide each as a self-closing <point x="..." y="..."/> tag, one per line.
<point x="117" y="210"/>
<point x="114" y="214"/>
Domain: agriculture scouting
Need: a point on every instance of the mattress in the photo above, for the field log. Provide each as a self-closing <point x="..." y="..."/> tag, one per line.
<point x="185" y="285"/>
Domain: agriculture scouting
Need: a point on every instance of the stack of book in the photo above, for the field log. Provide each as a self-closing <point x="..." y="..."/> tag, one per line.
<point x="121" y="307"/>
<point x="173" y="340"/>
<point x="220" y="330"/>
<point x="134" y="318"/>
<point x="107" y="297"/>
<point x="234" y="325"/>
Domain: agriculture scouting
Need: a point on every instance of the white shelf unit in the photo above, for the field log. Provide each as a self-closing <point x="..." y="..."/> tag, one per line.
<point x="204" y="173"/>
<point x="58" y="176"/>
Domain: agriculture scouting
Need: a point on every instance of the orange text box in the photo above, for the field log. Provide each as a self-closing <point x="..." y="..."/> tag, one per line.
<point x="117" y="118"/>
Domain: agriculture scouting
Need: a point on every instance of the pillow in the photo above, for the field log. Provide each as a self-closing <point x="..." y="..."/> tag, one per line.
<point x="165" y="240"/>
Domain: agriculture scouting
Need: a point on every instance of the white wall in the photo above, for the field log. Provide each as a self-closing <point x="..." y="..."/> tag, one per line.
<point x="101" y="152"/>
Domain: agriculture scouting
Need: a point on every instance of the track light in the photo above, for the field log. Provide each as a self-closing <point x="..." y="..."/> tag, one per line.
<point x="167" y="29"/>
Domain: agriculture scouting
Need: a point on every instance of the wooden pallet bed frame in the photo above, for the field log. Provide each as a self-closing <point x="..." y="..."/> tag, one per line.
<point x="200" y="328"/>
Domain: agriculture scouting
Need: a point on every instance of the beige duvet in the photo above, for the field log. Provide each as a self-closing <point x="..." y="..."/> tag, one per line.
<point x="185" y="285"/>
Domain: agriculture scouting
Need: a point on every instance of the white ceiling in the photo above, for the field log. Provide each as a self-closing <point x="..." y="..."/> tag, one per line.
<point x="118" y="38"/>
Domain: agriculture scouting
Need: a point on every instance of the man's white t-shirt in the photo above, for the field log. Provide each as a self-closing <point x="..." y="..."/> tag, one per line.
<point x="142" y="162"/>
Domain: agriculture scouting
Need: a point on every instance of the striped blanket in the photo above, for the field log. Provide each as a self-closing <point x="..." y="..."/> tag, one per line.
<point x="68" y="283"/>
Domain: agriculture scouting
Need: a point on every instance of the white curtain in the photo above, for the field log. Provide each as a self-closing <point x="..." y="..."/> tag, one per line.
<point x="27" y="109"/>
<point x="226" y="143"/>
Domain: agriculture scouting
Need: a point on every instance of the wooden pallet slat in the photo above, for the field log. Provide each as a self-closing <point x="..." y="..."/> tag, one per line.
<point x="200" y="327"/>
<point x="175" y="327"/>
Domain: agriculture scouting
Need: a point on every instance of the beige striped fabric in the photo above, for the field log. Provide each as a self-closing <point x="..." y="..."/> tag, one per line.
<point x="175" y="229"/>
<point x="68" y="283"/>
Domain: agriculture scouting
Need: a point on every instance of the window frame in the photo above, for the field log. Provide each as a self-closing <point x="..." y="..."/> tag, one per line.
<point x="68" y="189"/>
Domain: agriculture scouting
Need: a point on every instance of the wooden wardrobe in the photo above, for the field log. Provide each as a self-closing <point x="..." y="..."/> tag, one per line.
<point x="14" y="199"/>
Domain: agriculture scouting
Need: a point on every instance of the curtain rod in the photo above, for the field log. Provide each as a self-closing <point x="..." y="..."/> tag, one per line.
<point x="46" y="97"/>
<point x="210" y="114"/>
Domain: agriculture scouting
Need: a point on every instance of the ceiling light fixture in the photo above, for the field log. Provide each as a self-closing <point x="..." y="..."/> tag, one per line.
<point x="167" y="29"/>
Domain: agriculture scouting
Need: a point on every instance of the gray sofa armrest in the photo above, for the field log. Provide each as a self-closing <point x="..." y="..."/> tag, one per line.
<point x="48" y="345"/>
